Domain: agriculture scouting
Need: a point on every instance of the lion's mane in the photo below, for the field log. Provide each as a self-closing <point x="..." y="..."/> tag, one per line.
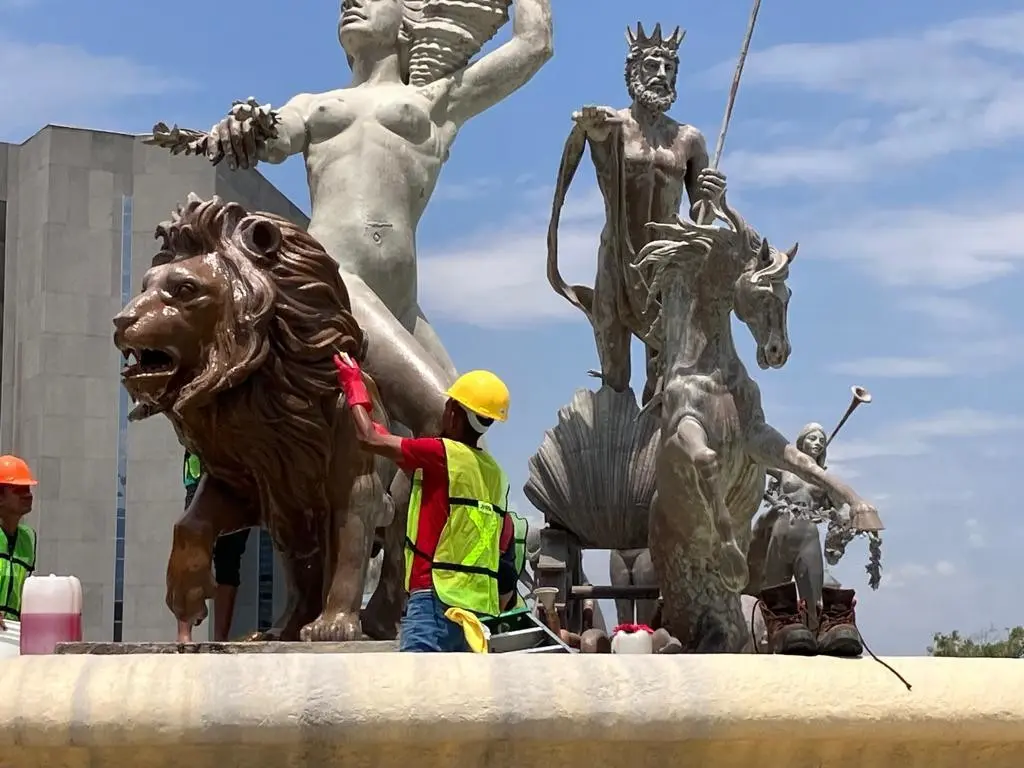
<point x="263" y="409"/>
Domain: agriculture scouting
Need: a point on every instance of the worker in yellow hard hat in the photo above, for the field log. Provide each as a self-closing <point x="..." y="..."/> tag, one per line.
<point x="459" y="553"/>
<point x="17" y="540"/>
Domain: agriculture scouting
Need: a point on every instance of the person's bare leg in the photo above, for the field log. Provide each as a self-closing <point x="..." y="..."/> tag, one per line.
<point x="425" y="334"/>
<point x="223" y="611"/>
<point x="643" y="575"/>
<point x="613" y="338"/>
<point x="184" y="632"/>
<point x="412" y="383"/>
<point x="383" y="613"/>
<point x="620" y="576"/>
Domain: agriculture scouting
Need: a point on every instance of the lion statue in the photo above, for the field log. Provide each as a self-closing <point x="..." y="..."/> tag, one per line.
<point x="232" y="338"/>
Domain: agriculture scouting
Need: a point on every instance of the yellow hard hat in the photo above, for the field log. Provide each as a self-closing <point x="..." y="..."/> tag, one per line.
<point x="483" y="393"/>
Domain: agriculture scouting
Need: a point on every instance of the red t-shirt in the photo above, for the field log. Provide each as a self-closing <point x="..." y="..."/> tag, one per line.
<point x="428" y="454"/>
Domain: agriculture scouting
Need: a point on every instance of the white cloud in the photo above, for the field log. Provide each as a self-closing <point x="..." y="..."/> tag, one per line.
<point x="952" y="313"/>
<point x="912" y="574"/>
<point x="896" y="367"/>
<point x="519" y="505"/>
<point x="44" y="83"/>
<point x="509" y="264"/>
<point x="975" y="533"/>
<point x="952" y="87"/>
<point x="485" y="186"/>
<point x="466" y="190"/>
<point x="955" y="355"/>
<point x="916" y="437"/>
<point x="953" y="247"/>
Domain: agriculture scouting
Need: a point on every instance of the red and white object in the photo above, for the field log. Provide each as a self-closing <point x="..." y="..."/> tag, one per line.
<point x="632" y="638"/>
<point x="51" y="613"/>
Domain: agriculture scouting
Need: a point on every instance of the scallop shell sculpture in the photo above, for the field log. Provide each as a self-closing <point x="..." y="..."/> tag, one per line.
<point x="594" y="471"/>
<point x="446" y="34"/>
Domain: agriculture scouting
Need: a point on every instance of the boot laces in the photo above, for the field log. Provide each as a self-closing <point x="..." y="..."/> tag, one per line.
<point x="773" y="620"/>
<point x="770" y="617"/>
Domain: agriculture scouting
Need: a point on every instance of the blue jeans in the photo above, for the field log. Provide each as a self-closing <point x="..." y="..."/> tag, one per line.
<point x="425" y="628"/>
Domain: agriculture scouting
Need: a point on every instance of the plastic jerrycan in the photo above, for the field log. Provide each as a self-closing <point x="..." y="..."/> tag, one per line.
<point x="76" y="610"/>
<point x="51" y="613"/>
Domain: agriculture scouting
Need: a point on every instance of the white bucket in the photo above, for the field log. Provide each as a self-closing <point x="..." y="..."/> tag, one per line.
<point x="638" y="641"/>
<point x="10" y="641"/>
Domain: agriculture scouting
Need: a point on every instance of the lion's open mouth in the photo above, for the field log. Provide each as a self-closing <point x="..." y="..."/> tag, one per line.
<point x="147" y="362"/>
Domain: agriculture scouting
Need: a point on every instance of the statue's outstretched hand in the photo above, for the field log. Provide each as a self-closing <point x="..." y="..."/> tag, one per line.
<point x="238" y="136"/>
<point x="597" y="121"/>
<point x="864" y="517"/>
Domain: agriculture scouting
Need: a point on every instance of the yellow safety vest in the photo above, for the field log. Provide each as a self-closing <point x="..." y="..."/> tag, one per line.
<point x="15" y="566"/>
<point x="464" y="568"/>
<point x="193" y="469"/>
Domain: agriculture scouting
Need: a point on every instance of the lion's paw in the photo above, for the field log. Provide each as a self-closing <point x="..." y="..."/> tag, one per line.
<point x="268" y="636"/>
<point x="339" y="628"/>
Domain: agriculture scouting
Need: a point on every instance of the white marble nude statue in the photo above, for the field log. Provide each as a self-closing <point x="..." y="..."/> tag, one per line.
<point x="374" y="151"/>
<point x="633" y="568"/>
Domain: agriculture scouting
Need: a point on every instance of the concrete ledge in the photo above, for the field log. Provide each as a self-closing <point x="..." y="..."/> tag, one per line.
<point x="466" y="711"/>
<point x="123" y="649"/>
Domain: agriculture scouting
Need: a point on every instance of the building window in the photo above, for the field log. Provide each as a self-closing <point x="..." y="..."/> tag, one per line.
<point x="123" y="407"/>
<point x="265" y="605"/>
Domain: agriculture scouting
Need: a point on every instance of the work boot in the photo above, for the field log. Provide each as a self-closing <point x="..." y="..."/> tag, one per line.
<point x="837" y="632"/>
<point x="785" y="622"/>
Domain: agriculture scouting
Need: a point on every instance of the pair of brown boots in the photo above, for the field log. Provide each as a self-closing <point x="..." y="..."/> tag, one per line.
<point x="786" y="621"/>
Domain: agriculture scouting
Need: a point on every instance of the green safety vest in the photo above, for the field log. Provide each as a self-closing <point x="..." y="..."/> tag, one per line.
<point x="15" y="567"/>
<point x="521" y="528"/>
<point x="464" y="568"/>
<point x="193" y="469"/>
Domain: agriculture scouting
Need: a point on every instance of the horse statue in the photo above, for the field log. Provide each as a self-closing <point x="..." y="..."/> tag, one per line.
<point x="714" y="444"/>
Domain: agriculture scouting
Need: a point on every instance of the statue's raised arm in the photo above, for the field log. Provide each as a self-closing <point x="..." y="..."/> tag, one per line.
<point x="436" y="43"/>
<point x="494" y="77"/>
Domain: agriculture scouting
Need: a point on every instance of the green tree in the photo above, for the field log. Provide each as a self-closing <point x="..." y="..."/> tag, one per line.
<point x="1008" y="644"/>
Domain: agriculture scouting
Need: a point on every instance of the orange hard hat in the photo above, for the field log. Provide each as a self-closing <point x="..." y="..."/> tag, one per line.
<point x="14" y="471"/>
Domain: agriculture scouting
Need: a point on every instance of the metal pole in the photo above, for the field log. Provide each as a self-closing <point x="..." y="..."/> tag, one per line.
<point x="734" y="89"/>
<point x="705" y="213"/>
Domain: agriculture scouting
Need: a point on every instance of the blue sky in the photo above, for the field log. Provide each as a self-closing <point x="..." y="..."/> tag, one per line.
<point x="885" y="137"/>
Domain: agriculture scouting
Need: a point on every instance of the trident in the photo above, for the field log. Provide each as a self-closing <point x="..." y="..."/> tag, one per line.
<point x="706" y="214"/>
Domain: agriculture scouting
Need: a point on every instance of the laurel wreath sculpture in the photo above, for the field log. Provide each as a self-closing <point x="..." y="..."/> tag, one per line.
<point x="838" y="536"/>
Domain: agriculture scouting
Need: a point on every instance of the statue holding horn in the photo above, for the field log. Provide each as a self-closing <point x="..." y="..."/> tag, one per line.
<point x="806" y="610"/>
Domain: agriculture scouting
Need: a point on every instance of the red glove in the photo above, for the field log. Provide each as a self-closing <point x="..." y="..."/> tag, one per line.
<point x="350" y="380"/>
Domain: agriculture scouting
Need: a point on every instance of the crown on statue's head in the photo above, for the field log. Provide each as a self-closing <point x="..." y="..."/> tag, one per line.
<point x="640" y="40"/>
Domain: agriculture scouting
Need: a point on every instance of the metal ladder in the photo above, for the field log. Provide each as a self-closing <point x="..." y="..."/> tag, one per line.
<point x="524" y="633"/>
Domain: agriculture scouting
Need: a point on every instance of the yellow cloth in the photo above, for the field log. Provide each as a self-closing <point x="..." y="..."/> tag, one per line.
<point x="475" y="632"/>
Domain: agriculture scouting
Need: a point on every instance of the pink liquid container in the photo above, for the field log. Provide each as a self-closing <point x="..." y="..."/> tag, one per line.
<point x="51" y="613"/>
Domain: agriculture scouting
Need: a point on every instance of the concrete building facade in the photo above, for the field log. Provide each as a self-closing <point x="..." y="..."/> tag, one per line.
<point x="78" y="209"/>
